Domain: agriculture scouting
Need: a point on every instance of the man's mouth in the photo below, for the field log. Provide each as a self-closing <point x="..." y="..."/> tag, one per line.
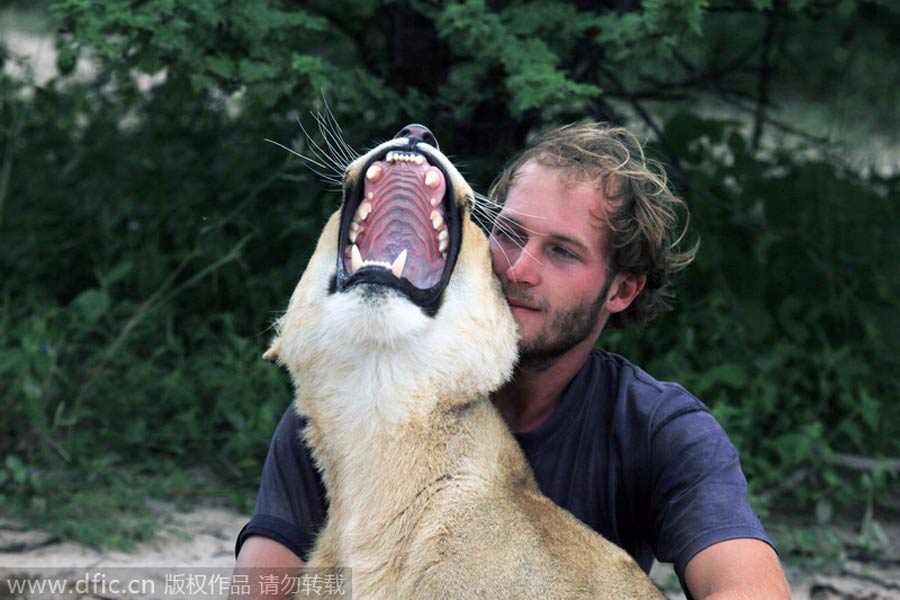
<point x="524" y="304"/>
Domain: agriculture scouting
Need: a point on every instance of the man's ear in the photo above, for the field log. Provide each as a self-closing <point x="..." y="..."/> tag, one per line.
<point x="624" y="289"/>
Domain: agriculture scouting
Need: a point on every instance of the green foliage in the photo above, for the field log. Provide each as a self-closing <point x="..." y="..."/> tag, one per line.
<point x="149" y="235"/>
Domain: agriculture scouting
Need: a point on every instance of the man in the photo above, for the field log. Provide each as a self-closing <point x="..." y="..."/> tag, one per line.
<point x="586" y="238"/>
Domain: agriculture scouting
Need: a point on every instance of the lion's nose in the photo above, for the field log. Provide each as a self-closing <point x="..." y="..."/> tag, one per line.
<point x="418" y="133"/>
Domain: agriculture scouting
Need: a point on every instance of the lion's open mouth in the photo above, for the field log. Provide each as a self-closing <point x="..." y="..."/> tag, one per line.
<point x="397" y="227"/>
<point x="400" y="224"/>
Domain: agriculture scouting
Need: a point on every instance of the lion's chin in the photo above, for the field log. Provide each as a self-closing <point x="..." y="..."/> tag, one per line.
<point x="375" y="316"/>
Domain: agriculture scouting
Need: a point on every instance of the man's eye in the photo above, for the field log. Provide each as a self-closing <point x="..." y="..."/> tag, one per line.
<point x="560" y="251"/>
<point x="512" y="236"/>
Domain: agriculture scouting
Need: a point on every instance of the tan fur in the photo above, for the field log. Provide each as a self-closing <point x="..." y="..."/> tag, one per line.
<point x="429" y="494"/>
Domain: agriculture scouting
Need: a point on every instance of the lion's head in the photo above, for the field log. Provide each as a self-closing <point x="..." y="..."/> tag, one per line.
<point x="398" y="307"/>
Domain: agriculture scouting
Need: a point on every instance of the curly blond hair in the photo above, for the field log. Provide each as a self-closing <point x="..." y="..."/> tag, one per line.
<point x="642" y="215"/>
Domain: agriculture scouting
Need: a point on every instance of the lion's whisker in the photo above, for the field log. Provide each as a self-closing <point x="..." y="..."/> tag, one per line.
<point x="336" y="165"/>
<point x="496" y="205"/>
<point x="489" y="222"/>
<point x="334" y="142"/>
<point x="309" y="160"/>
<point x="331" y="129"/>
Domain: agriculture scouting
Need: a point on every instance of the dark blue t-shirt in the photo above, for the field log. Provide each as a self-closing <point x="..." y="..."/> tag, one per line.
<point x="640" y="461"/>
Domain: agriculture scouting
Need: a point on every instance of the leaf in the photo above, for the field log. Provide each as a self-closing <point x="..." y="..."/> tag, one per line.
<point x="10" y="359"/>
<point x="16" y="468"/>
<point x="118" y="272"/>
<point x="222" y="66"/>
<point x="869" y="409"/>
<point x="729" y="374"/>
<point x="93" y="304"/>
<point x="824" y="511"/>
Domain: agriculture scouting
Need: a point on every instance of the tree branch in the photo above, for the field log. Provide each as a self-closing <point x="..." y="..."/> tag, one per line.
<point x="765" y="75"/>
<point x="856" y="462"/>
<point x="735" y="98"/>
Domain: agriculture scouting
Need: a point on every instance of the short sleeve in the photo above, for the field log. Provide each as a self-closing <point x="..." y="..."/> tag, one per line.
<point x="290" y="505"/>
<point x="698" y="491"/>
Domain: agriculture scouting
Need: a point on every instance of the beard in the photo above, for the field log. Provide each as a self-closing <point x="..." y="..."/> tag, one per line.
<point x="565" y="328"/>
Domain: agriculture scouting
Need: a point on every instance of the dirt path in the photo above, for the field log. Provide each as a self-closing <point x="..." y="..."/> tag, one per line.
<point x="202" y="541"/>
<point x="199" y="543"/>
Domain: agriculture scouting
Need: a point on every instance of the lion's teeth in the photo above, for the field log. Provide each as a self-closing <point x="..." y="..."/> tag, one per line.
<point x="444" y="254"/>
<point x="390" y="157"/>
<point x="356" y="260"/>
<point x="442" y="245"/>
<point x="354" y="226"/>
<point x="435" y="201"/>
<point x="443" y="236"/>
<point x="353" y="235"/>
<point x="419" y="160"/>
<point x="373" y="173"/>
<point x="432" y="179"/>
<point x="399" y="263"/>
<point x="363" y="211"/>
<point x="436" y="219"/>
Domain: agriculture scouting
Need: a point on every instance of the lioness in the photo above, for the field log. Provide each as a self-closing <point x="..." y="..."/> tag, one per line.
<point x="395" y="337"/>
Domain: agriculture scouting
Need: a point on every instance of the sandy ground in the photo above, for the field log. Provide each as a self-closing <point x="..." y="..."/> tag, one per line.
<point x="197" y="542"/>
<point x="202" y="541"/>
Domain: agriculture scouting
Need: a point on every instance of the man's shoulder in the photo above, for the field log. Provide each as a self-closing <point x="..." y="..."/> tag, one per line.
<point x="640" y="394"/>
<point x="288" y="433"/>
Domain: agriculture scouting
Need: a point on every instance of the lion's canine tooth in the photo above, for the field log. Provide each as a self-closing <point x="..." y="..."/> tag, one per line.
<point x="356" y="260"/>
<point x="399" y="263"/>
<point x="432" y="179"/>
<point x="443" y="236"/>
<point x="442" y="245"/>
<point x="373" y="173"/>
<point x="436" y="219"/>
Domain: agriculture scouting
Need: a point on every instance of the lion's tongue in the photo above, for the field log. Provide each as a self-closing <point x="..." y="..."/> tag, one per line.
<point x="403" y="196"/>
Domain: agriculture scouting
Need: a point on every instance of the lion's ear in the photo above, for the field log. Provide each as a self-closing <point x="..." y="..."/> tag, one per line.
<point x="271" y="354"/>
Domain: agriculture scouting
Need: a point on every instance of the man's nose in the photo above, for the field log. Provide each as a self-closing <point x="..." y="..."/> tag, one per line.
<point x="522" y="265"/>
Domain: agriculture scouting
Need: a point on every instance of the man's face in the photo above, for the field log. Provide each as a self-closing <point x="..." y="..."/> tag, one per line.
<point x="548" y="251"/>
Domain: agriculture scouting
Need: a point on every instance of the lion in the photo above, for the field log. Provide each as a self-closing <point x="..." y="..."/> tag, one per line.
<point x="395" y="337"/>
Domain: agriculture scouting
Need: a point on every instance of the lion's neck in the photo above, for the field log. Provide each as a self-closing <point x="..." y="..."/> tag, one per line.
<point x="381" y="483"/>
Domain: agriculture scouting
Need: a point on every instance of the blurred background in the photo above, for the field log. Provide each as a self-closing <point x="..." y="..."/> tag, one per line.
<point x="149" y="234"/>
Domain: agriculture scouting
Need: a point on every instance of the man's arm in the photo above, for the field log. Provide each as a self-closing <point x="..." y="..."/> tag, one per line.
<point x="736" y="569"/>
<point x="259" y="554"/>
<point x="290" y="507"/>
<point x="259" y="551"/>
